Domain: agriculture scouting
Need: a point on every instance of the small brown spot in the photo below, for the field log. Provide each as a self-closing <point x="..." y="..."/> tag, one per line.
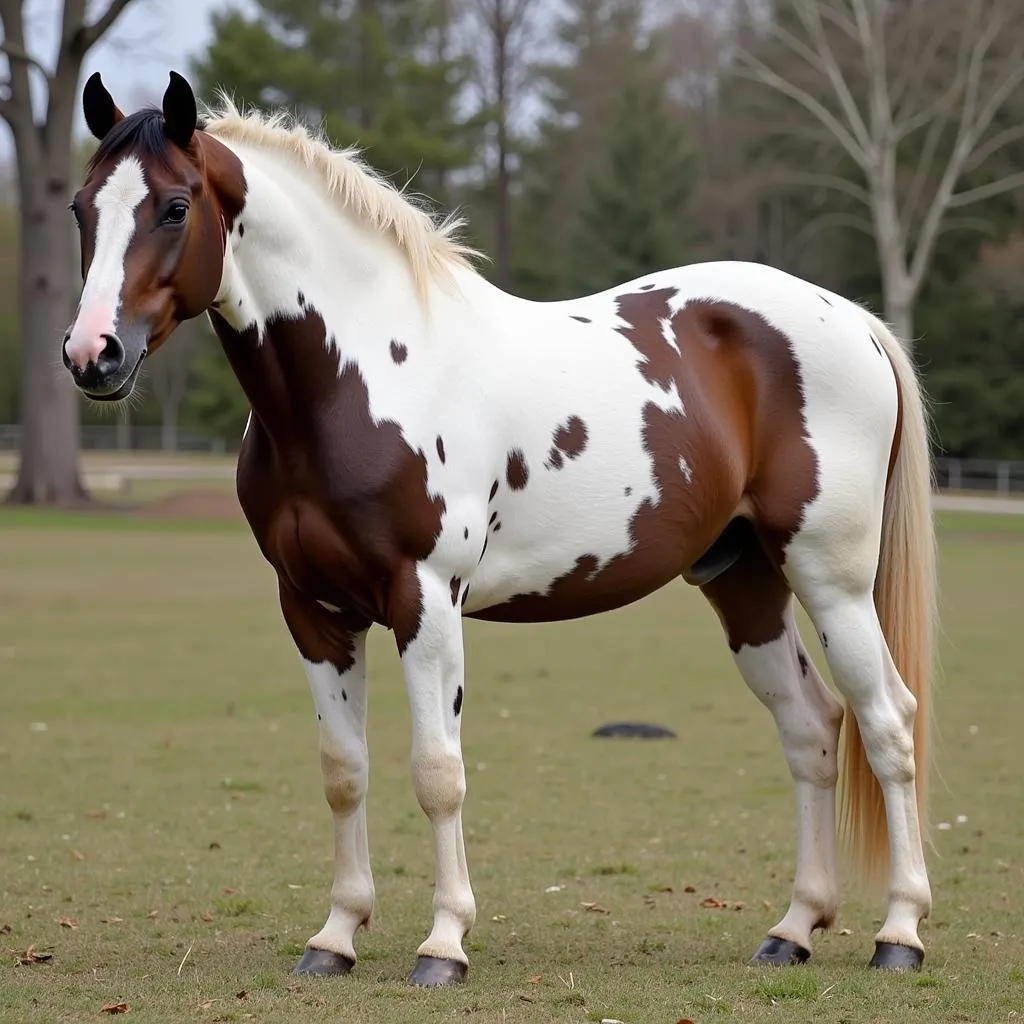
<point x="455" y="584"/>
<point x="494" y="491"/>
<point x="457" y="706"/>
<point x="399" y="352"/>
<point x="570" y="438"/>
<point x="824" y="640"/>
<point x="802" y="658"/>
<point x="497" y="527"/>
<point x="516" y="471"/>
<point x="241" y="230"/>
<point x="583" y="319"/>
<point x="465" y="533"/>
<point x="440" y="449"/>
<point x="344" y="695"/>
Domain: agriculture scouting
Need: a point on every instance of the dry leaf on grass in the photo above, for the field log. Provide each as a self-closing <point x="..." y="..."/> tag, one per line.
<point x="5" y="929"/>
<point x="204" y="1005"/>
<point x="536" y="979"/>
<point x="153" y="915"/>
<point x="715" y="904"/>
<point x="208" y="917"/>
<point x="595" y="908"/>
<point x="96" y="814"/>
<point x="684" y="1020"/>
<point x="668" y="888"/>
<point x="230" y="892"/>
<point x="113" y="919"/>
<point x="115" y="1008"/>
<point x="77" y="855"/>
<point x="34" y="956"/>
<point x="242" y="995"/>
<point x="689" y="888"/>
<point x="68" y="922"/>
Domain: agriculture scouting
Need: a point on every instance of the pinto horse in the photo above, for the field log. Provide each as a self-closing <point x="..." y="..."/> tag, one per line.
<point x="423" y="446"/>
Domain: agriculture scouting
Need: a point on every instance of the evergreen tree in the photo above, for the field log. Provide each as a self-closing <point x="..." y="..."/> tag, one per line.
<point x="633" y="218"/>
<point x="374" y="72"/>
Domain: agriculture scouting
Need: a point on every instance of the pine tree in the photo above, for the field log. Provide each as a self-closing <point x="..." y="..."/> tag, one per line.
<point x="633" y="217"/>
<point x="373" y="72"/>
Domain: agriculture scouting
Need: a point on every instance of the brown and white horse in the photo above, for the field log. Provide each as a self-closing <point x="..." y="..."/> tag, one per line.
<point x="423" y="446"/>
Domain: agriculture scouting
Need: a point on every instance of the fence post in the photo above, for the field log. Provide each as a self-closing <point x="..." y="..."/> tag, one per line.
<point x="1003" y="478"/>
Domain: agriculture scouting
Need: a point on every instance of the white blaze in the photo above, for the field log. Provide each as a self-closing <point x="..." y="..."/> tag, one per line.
<point x="115" y="204"/>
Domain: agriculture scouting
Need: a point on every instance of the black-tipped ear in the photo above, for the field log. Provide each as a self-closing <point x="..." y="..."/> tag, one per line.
<point x="101" y="113"/>
<point x="180" y="113"/>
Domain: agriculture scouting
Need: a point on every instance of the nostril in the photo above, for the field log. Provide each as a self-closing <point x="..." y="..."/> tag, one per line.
<point x="64" y="351"/>
<point x="112" y="356"/>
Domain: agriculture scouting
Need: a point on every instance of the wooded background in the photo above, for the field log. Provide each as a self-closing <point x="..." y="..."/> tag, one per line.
<point x="873" y="146"/>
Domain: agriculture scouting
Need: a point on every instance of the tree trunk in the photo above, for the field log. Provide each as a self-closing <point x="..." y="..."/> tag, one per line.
<point x="899" y="312"/>
<point x="503" y="241"/>
<point x="48" y="468"/>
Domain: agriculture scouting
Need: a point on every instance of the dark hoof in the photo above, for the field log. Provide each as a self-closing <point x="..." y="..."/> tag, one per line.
<point x="433" y="972"/>
<point x="635" y="730"/>
<point x="323" y="961"/>
<point x="780" y="952"/>
<point x="889" y="956"/>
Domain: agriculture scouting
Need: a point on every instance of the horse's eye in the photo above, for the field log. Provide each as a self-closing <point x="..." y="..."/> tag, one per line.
<point x="175" y="213"/>
<point x="73" y="207"/>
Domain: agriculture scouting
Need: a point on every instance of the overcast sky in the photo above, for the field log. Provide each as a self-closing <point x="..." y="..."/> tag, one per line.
<point x="149" y="39"/>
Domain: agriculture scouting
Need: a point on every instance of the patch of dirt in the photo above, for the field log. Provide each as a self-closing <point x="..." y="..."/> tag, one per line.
<point x="221" y="505"/>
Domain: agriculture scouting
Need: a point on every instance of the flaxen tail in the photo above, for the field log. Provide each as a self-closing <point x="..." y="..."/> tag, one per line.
<point x="905" y="598"/>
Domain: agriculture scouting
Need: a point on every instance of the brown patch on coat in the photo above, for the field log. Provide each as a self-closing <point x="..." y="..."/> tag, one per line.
<point x="399" y="352"/>
<point x="568" y="441"/>
<point x="741" y="433"/>
<point x="346" y="524"/>
<point x="517" y="473"/>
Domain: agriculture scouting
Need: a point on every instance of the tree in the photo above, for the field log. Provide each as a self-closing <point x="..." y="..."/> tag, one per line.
<point x="910" y="94"/>
<point x="48" y="466"/>
<point x="376" y="75"/>
<point x="503" y="33"/>
<point x="633" y="217"/>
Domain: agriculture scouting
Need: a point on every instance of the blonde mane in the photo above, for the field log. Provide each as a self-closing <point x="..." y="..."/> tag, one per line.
<point x="432" y="249"/>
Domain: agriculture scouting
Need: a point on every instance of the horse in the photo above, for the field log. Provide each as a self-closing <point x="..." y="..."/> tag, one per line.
<point x="423" y="447"/>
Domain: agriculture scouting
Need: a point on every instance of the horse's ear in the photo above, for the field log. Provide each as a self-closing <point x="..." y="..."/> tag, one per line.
<point x="180" y="113"/>
<point x="101" y="112"/>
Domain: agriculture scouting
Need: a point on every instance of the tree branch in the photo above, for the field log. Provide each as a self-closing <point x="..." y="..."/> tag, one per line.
<point x="993" y="188"/>
<point x="15" y="52"/>
<point x="811" y="179"/>
<point x="91" y="34"/>
<point x="763" y="75"/>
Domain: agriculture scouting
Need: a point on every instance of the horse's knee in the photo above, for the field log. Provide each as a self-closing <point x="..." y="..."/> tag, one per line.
<point x="346" y="778"/>
<point x="440" y="783"/>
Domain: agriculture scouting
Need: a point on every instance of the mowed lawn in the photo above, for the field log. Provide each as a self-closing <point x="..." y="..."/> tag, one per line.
<point x="164" y="836"/>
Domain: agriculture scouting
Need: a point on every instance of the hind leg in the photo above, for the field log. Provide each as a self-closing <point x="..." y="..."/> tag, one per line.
<point x="755" y="606"/>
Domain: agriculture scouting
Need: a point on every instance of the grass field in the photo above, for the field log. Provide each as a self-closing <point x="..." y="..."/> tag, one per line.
<point x="164" y="836"/>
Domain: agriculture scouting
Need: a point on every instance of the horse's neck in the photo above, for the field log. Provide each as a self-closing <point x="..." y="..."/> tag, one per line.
<point x="294" y="249"/>
<point x="306" y="289"/>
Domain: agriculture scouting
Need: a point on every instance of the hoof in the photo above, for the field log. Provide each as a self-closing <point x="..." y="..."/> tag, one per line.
<point x="434" y="972"/>
<point x="889" y="956"/>
<point x="780" y="952"/>
<point x="323" y="961"/>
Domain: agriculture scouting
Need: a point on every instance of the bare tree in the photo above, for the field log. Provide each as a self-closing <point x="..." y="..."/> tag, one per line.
<point x="48" y="468"/>
<point x="169" y="375"/>
<point x="502" y="31"/>
<point x="915" y="95"/>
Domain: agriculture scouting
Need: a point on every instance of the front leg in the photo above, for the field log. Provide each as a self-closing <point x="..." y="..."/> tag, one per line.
<point x="333" y="649"/>
<point x="429" y="635"/>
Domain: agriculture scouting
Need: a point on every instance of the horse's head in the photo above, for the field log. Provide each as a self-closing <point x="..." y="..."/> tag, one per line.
<point x="153" y="218"/>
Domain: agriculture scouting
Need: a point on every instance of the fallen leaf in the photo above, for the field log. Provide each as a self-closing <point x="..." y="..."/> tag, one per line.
<point x="689" y="888"/>
<point x="668" y="888"/>
<point x="33" y="956"/>
<point x="684" y="1020"/>
<point x="115" y="1008"/>
<point x="527" y="999"/>
<point x="111" y="920"/>
<point x="68" y="922"/>
<point x="499" y="918"/>
<point x="711" y="902"/>
<point x="5" y="929"/>
<point x="208" y="917"/>
<point x="535" y="980"/>
<point x="215" y="845"/>
<point x="77" y="855"/>
<point x="845" y="931"/>
<point x="205" y="1005"/>
<point x="96" y="814"/>
<point x="153" y="915"/>
<point x="595" y="908"/>
<point x="242" y="995"/>
<point x="230" y="892"/>
<point x="650" y="900"/>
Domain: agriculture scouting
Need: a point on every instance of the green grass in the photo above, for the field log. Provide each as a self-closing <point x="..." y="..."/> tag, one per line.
<point x="161" y="795"/>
